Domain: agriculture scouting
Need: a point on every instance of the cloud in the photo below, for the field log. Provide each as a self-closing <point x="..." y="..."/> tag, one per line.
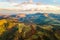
<point x="11" y="6"/>
<point x="7" y="4"/>
<point x="42" y="8"/>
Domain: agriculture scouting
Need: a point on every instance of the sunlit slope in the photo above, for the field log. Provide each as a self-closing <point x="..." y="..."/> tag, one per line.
<point x="15" y="30"/>
<point x="6" y="24"/>
<point x="2" y="28"/>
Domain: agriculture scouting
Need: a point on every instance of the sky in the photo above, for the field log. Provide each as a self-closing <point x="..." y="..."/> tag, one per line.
<point x="50" y="2"/>
<point x="11" y="3"/>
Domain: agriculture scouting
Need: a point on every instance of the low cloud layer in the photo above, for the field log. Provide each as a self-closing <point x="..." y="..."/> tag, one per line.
<point x="23" y="7"/>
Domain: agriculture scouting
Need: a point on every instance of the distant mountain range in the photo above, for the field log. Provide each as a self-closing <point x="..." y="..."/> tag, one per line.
<point x="38" y="18"/>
